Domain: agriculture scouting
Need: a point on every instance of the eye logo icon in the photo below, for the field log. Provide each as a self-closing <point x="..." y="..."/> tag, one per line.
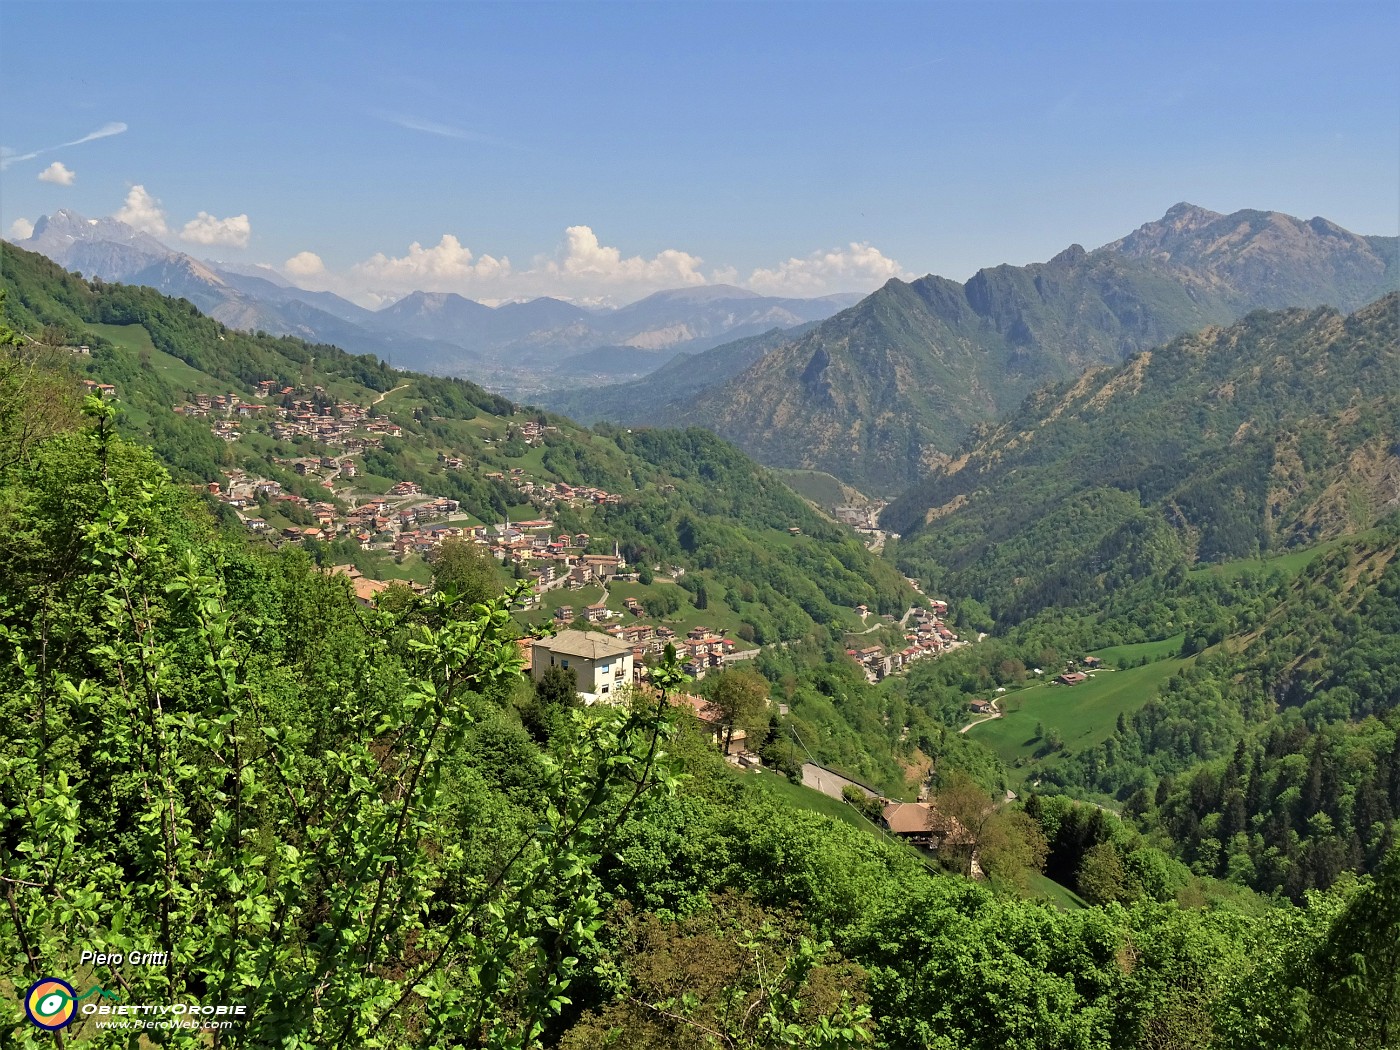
<point x="50" y="1003"/>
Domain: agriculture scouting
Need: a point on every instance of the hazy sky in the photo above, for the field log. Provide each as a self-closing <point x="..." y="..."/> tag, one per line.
<point x="608" y="150"/>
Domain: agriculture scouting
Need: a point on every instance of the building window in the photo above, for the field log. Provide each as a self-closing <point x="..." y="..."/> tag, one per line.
<point x="566" y="663"/>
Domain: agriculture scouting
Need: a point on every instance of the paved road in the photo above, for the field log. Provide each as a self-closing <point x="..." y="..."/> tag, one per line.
<point x="827" y="782"/>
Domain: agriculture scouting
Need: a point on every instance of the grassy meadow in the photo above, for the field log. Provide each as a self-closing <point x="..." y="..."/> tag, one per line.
<point x="1085" y="714"/>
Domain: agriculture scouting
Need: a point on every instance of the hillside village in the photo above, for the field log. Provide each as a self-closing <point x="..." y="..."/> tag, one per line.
<point x="406" y="520"/>
<point x="926" y="633"/>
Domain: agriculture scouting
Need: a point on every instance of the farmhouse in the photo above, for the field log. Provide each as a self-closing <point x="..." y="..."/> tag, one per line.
<point x="920" y="824"/>
<point x="712" y="721"/>
<point x="601" y="665"/>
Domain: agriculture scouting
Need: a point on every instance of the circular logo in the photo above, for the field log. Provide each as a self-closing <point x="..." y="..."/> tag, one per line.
<point x="49" y="1003"/>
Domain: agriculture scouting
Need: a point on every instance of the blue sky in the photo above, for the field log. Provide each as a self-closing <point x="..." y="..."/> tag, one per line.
<point x="605" y="150"/>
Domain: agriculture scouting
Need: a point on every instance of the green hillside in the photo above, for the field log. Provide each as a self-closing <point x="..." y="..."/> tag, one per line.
<point x="724" y="544"/>
<point x="1274" y="433"/>
<point x="1217" y="519"/>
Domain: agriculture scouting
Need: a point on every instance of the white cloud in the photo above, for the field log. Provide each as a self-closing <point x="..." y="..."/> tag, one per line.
<point x="112" y="127"/>
<point x="57" y="174"/>
<point x="857" y="267"/>
<point x="9" y="156"/>
<point x="21" y="230"/>
<point x="584" y="258"/>
<point x="205" y="229"/>
<point x="143" y="211"/>
<point x="304" y="264"/>
<point x="583" y="270"/>
<point x="439" y="268"/>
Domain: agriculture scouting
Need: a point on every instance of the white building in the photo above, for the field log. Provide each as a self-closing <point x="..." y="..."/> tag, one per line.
<point x="601" y="665"/>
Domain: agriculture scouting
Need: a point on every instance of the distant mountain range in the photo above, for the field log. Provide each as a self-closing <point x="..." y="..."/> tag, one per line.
<point x="516" y="348"/>
<point x="546" y="338"/>
<point x="654" y="398"/>
<point x="884" y="391"/>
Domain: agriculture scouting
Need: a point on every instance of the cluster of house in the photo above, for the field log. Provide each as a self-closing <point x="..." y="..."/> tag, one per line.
<point x="865" y="516"/>
<point x="367" y="523"/>
<point x="407" y="520"/>
<point x="396" y="522"/>
<point x="102" y="390"/>
<point x="244" y="490"/>
<point x="702" y="652"/>
<point x="554" y="492"/>
<point x="543" y="492"/>
<point x="367" y="590"/>
<point x="927" y="635"/>
<point x="1072" y="676"/>
<point x="531" y="431"/>
<point x="341" y="424"/>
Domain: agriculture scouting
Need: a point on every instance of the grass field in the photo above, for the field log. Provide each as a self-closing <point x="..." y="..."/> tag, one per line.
<point x="126" y="336"/>
<point x="823" y="489"/>
<point x="135" y="339"/>
<point x="719" y="616"/>
<point x="551" y="600"/>
<point x="1289" y="564"/>
<point x="1117" y="655"/>
<point x="1062" y="897"/>
<point x="778" y="786"/>
<point x="1083" y="714"/>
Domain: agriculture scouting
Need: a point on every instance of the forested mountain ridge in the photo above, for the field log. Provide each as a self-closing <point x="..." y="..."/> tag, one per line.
<point x="1279" y="430"/>
<point x="1272" y="760"/>
<point x="1266" y="259"/>
<point x="882" y="391"/>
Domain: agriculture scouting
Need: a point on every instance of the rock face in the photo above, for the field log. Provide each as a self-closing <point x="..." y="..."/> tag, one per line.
<point x="883" y="390"/>
<point x="1265" y="258"/>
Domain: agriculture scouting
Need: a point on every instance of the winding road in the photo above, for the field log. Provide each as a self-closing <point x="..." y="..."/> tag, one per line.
<point x="996" y="713"/>
<point x="381" y="397"/>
